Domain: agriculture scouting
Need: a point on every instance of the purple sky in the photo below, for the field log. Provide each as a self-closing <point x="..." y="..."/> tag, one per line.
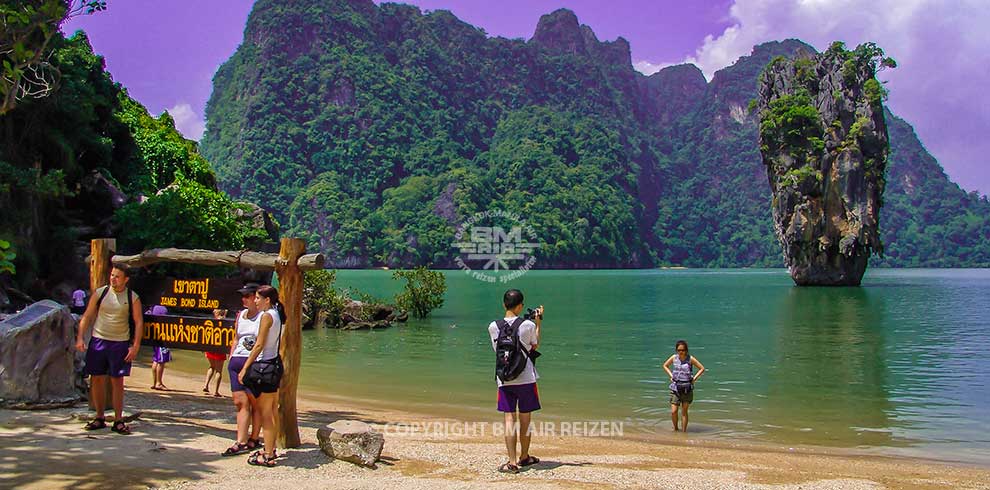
<point x="166" y="55"/>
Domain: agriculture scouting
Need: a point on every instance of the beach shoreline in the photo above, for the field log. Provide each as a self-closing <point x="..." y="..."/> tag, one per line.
<point x="179" y="435"/>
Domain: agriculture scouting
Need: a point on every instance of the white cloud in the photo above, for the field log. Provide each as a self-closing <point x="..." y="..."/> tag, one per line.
<point x="647" y="68"/>
<point x="187" y="121"/>
<point x="940" y="47"/>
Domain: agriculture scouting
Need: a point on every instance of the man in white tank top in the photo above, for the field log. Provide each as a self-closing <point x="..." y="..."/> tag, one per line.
<point x="112" y="347"/>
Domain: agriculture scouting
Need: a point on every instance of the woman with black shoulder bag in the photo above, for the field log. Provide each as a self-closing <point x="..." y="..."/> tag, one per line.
<point x="263" y="370"/>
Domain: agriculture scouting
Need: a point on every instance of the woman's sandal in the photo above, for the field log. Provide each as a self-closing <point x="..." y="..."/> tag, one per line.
<point x="236" y="449"/>
<point x="254" y="444"/>
<point x="529" y="461"/>
<point x="96" y="424"/>
<point x="508" y="468"/>
<point x="259" y="459"/>
<point x="120" y="427"/>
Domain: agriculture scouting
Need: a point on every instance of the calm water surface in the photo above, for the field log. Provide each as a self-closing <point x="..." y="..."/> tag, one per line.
<point x="899" y="365"/>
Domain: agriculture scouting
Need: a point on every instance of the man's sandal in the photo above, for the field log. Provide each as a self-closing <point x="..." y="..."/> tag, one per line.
<point x="259" y="459"/>
<point x="529" y="461"/>
<point x="120" y="427"/>
<point x="236" y="449"/>
<point x="508" y="468"/>
<point x="96" y="424"/>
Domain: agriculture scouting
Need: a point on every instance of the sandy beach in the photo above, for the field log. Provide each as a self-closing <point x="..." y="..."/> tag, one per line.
<point x="179" y="435"/>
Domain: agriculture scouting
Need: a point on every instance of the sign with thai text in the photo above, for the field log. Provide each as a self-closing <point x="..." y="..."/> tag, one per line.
<point x="192" y="333"/>
<point x="192" y="294"/>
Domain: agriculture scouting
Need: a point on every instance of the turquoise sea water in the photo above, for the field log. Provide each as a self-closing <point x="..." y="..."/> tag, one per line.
<point x="899" y="365"/>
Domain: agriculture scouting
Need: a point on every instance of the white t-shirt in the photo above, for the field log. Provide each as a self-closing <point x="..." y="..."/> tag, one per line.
<point x="527" y="337"/>
<point x="247" y="330"/>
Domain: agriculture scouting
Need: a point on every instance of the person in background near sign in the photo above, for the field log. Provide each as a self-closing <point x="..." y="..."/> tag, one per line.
<point x="216" y="362"/>
<point x="248" y="415"/>
<point x="113" y="345"/>
<point x="160" y="355"/>
<point x="79" y="301"/>
<point x="265" y="353"/>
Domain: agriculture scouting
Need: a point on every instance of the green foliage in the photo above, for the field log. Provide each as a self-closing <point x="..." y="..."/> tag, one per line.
<point x="792" y="125"/>
<point x="45" y="185"/>
<point x="874" y="92"/>
<point x="28" y="29"/>
<point x="795" y="177"/>
<point x="323" y="301"/>
<point x="90" y="124"/>
<point x="380" y="130"/>
<point x="186" y="215"/>
<point x="161" y="151"/>
<point x="423" y="292"/>
<point x="7" y="256"/>
<point x="805" y="73"/>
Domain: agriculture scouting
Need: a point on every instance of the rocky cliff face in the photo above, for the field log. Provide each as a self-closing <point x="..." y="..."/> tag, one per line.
<point x="375" y="130"/>
<point x="824" y="143"/>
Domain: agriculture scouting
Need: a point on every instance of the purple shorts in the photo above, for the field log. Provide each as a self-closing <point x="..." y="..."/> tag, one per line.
<point x="106" y="357"/>
<point x="234" y="367"/>
<point x="526" y="396"/>
<point x="161" y="355"/>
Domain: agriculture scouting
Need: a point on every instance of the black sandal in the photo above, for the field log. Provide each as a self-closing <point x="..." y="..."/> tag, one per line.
<point x="529" y="461"/>
<point x="259" y="459"/>
<point x="508" y="468"/>
<point x="236" y="449"/>
<point x="96" y="424"/>
<point x="255" y="444"/>
<point x="120" y="427"/>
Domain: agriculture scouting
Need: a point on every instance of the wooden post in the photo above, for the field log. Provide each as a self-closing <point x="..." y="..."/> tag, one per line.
<point x="290" y="293"/>
<point x="100" y="252"/>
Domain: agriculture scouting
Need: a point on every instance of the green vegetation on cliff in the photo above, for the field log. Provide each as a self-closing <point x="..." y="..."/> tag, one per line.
<point x="374" y="131"/>
<point x="68" y="161"/>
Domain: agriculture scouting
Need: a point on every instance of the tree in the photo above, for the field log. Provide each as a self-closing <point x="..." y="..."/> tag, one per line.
<point x="27" y="29"/>
<point x="322" y="301"/>
<point x="423" y="292"/>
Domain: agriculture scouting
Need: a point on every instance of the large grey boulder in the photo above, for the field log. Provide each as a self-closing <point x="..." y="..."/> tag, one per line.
<point x="37" y="356"/>
<point x="351" y="440"/>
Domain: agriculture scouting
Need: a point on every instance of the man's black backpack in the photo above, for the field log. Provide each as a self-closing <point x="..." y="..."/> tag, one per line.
<point x="130" y="314"/>
<point x="510" y="356"/>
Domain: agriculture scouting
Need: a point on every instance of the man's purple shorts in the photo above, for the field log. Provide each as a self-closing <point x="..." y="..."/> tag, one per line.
<point x="526" y="396"/>
<point x="106" y="357"/>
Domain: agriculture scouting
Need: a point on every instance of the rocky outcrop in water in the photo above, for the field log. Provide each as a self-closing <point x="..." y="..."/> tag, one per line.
<point x="824" y="143"/>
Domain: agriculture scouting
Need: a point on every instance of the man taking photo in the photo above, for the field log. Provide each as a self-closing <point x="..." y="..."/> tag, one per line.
<point x="515" y="340"/>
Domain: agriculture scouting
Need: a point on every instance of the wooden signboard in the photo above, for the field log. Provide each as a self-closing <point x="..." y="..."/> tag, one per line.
<point x="189" y="294"/>
<point x="192" y="333"/>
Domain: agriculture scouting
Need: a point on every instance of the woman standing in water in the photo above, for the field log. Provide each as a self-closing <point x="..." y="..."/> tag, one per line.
<point x="682" y="382"/>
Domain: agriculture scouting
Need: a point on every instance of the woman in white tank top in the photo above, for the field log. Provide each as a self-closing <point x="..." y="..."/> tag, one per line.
<point x="265" y="349"/>
<point x="248" y="414"/>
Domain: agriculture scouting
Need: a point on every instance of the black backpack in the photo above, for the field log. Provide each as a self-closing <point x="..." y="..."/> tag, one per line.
<point x="130" y="314"/>
<point x="510" y="356"/>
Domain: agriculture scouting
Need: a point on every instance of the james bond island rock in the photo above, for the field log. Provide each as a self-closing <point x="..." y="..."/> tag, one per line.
<point x="37" y="357"/>
<point x="824" y="143"/>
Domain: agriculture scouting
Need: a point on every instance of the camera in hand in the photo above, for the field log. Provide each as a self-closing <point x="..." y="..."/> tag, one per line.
<point x="532" y="314"/>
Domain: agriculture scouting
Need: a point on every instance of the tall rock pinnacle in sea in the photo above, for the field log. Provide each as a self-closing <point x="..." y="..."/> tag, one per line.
<point x="824" y="143"/>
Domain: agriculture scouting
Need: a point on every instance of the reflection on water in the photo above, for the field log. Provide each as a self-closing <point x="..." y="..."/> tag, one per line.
<point x="826" y="369"/>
